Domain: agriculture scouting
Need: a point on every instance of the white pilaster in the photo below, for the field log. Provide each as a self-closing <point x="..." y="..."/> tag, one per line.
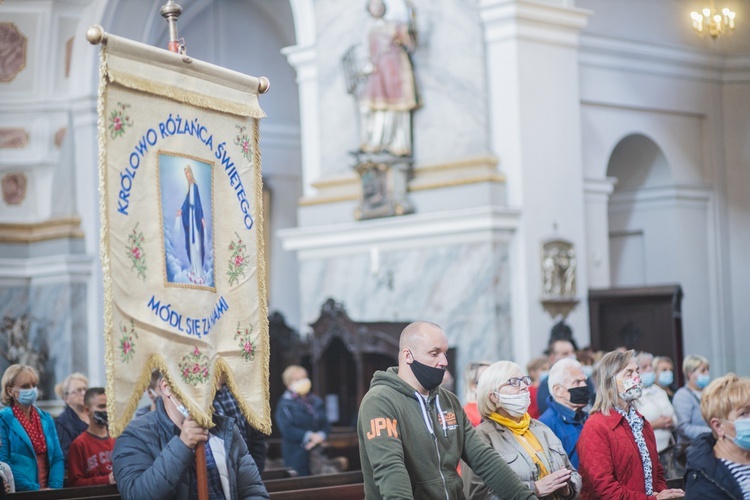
<point x="532" y="61"/>
<point x="304" y="59"/>
<point x="597" y="193"/>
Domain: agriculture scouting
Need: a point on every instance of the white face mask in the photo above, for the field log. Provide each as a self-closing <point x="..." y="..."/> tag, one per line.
<point x="515" y="404"/>
<point x="180" y="407"/>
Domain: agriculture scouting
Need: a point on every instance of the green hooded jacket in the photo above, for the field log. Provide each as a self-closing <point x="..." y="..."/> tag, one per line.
<point x="410" y="445"/>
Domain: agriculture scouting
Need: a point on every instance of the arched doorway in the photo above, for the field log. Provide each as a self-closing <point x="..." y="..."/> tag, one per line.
<point x="638" y="232"/>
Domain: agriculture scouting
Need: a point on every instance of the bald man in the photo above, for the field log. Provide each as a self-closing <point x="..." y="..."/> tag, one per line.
<point x="412" y="432"/>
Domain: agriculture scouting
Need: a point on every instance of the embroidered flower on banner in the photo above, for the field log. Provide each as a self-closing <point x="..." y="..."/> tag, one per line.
<point x="127" y="342"/>
<point x="247" y="345"/>
<point x="119" y="120"/>
<point x="135" y="252"/>
<point x="243" y="141"/>
<point x="238" y="260"/>
<point x="194" y="367"/>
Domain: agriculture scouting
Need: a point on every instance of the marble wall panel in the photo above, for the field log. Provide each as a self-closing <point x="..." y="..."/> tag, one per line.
<point x="49" y="320"/>
<point x="465" y="288"/>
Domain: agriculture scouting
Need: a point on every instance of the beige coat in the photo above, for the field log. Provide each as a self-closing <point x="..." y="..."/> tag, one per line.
<point x="508" y="447"/>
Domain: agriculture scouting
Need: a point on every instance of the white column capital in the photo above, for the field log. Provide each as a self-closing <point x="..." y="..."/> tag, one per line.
<point x="304" y="60"/>
<point x="599" y="188"/>
<point x="531" y="20"/>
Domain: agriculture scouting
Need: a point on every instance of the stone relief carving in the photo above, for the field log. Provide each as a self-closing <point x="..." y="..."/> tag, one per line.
<point x="14" y="188"/>
<point x="60" y="136"/>
<point x="12" y="51"/>
<point x="558" y="270"/>
<point x="12" y="138"/>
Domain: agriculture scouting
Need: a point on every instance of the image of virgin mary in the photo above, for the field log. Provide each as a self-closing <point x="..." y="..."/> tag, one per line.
<point x="194" y="226"/>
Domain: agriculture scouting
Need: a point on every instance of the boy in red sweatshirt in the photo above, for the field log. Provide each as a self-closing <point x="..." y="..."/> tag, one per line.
<point x="90" y="455"/>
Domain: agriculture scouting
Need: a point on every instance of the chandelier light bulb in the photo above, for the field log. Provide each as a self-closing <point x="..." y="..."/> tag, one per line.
<point x="715" y="23"/>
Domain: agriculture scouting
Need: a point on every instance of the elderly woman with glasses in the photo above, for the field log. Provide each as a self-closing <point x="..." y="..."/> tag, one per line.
<point x="73" y="421"/>
<point x="28" y="435"/>
<point x="617" y="449"/>
<point x="529" y="447"/>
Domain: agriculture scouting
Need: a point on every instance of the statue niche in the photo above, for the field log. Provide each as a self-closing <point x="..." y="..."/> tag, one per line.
<point x="558" y="266"/>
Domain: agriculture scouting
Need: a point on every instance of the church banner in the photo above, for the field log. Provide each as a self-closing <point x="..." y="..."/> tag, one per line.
<point x="181" y="231"/>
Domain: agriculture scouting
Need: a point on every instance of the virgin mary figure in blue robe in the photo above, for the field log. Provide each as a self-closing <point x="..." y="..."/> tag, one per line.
<point x="194" y="227"/>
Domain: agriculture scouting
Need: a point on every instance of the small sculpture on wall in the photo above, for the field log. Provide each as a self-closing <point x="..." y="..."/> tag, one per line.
<point x="558" y="265"/>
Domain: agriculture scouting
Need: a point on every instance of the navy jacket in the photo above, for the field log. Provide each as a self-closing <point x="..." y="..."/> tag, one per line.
<point x="69" y="426"/>
<point x="542" y="394"/>
<point x="706" y="476"/>
<point x="150" y="461"/>
<point x="296" y="421"/>
<point x="567" y="426"/>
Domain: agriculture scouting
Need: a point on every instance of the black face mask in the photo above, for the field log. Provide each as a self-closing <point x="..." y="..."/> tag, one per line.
<point x="101" y="418"/>
<point x="579" y="395"/>
<point x="427" y="376"/>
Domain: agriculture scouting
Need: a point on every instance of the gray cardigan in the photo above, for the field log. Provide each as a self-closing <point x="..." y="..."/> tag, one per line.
<point x="150" y="461"/>
<point x="504" y="442"/>
<point x="687" y="409"/>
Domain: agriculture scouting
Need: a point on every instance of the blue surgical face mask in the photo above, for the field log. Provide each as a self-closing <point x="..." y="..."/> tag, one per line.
<point x="27" y="397"/>
<point x="648" y="378"/>
<point x="666" y="378"/>
<point x="543" y="374"/>
<point x="588" y="370"/>
<point x="702" y="380"/>
<point x="742" y="433"/>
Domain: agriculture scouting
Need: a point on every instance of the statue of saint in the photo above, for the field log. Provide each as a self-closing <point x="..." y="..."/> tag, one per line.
<point x="389" y="93"/>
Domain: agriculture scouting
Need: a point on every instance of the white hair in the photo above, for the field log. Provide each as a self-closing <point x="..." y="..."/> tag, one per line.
<point x="494" y="376"/>
<point x="558" y="374"/>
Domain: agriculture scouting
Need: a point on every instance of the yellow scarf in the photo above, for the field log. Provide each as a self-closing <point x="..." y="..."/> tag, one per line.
<point x="526" y="438"/>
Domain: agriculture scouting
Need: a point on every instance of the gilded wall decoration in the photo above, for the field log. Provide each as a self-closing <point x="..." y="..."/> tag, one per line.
<point x="12" y="51"/>
<point x="14" y="188"/>
<point x="13" y="138"/>
<point x="60" y="136"/>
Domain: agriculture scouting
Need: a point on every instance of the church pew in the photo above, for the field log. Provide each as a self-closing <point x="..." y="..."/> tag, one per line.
<point x="278" y="473"/>
<point x="108" y="492"/>
<point x="343" y="492"/>
<point x="309" y="482"/>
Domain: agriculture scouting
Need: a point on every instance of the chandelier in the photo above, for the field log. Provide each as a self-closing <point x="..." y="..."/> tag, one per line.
<point x="712" y="22"/>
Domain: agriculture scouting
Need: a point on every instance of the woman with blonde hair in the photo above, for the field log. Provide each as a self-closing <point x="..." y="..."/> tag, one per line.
<point x="73" y="421"/>
<point x="529" y="447"/>
<point x="718" y="463"/>
<point x="617" y="449"/>
<point x="28" y="436"/>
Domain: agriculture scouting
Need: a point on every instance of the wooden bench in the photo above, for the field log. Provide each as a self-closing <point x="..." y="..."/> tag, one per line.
<point x="309" y="482"/>
<point x="343" y="492"/>
<point x="278" y="473"/>
<point x="108" y="492"/>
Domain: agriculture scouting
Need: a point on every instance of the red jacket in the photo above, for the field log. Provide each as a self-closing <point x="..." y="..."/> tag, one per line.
<point x="610" y="463"/>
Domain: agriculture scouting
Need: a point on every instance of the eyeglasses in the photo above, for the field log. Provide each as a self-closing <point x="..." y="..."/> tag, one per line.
<point x="516" y="382"/>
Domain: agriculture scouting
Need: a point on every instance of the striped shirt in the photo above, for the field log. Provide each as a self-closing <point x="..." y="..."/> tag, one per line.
<point x="741" y="473"/>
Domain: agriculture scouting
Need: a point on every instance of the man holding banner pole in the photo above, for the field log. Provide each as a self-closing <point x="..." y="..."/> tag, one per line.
<point x="155" y="456"/>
